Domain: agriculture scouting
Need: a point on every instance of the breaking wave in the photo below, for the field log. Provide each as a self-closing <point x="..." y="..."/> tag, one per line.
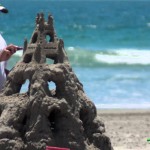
<point x="128" y="57"/>
<point x="95" y="58"/>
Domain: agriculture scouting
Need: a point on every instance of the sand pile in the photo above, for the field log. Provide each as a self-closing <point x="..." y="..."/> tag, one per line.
<point x="42" y="116"/>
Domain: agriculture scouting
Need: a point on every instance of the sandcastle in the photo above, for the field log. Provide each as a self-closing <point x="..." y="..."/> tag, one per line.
<point x="62" y="117"/>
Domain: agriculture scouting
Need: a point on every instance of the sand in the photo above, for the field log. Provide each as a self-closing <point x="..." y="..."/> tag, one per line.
<point x="127" y="129"/>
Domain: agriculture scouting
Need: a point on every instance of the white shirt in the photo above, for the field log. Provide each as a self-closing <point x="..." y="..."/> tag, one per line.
<point x="2" y="64"/>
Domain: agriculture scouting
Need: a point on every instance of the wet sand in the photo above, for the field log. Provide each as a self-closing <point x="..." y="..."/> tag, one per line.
<point x="127" y="129"/>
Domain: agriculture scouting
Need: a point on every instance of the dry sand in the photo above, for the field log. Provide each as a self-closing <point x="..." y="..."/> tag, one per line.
<point x="127" y="129"/>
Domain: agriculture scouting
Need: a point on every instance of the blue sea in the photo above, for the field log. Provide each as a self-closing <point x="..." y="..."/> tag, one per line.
<point x="107" y="42"/>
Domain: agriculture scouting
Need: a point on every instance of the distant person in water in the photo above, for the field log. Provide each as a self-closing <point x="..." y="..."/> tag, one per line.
<point x="5" y="53"/>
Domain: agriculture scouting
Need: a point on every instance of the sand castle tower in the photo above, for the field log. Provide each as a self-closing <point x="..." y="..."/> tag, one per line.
<point x="62" y="117"/>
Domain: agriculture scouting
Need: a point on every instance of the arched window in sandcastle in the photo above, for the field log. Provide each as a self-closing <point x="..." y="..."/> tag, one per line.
<point x="24" y="87"/>
<point x="49" y="61"/>
<point x="52" y="87"/>
<point x="54" y="119"/>
<point x="48" y="38"/>
<point x="34" y="38"/>
<point x="19" y="86"/>
<point x="27" y="58"/>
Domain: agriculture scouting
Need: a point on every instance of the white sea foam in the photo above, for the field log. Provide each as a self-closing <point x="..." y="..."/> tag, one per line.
<point x="124" y="56"/>
<point x="70" y="48"/>
<point x="114" y="57"/>
<point x="77" y="26"/>
<point x="93" y="26"/>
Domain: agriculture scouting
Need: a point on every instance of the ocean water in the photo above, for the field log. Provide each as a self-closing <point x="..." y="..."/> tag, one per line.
<point x="107" y="42"/>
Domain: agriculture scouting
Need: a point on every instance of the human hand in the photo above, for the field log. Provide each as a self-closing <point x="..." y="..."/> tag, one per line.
<point x="7" y="52"/>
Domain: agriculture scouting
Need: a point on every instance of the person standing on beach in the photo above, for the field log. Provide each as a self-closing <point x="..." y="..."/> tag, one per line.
<point x="5" y="53"/>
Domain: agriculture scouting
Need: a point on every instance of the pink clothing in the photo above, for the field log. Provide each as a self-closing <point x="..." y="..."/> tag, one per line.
<point x="2" y="64"/>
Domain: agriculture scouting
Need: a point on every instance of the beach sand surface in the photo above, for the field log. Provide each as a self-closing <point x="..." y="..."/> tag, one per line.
<point x="128" y="129"/>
